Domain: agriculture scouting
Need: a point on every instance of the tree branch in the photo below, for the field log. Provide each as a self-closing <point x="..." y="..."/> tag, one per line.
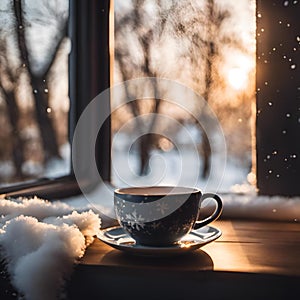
<point x="17" y="6"/>
<point x="55" y="52"/>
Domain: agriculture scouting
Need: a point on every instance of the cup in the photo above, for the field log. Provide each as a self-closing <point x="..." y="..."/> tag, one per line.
<point x="161" y="215"/>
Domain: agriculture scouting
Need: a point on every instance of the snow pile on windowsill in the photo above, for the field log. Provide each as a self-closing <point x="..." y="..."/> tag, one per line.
<point x="40" y="242"/>
<point x="244" y="203"/>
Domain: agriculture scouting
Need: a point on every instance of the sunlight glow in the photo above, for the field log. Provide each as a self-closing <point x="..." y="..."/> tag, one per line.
<point x="237" y="78"/>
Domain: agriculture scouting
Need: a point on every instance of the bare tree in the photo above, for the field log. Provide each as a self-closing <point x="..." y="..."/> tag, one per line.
<point x="146" y="37"/>
<point x="19" y="64"/>
<point x="203" y="31"/>
<point x="38" y="81"/>
<point x="196" y="28"/>
<point x="8" y="83"/>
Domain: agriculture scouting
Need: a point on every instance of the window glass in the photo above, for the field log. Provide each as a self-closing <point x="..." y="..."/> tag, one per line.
<point x="34" y="103"/>
<point x="207" y="46"/>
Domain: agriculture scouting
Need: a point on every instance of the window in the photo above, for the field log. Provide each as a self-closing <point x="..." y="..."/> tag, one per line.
<point x="85" y="36"/>
<point x="216" y="48"/>
<point x="34" y="101"/>
<point x="207" y="46"/>
<point x="89" y="75"/>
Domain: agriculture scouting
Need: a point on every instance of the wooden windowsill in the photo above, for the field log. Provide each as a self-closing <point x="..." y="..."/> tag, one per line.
<point x="257" y="259"/>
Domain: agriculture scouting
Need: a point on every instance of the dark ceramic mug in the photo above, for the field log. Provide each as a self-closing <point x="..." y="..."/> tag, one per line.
<point x="161" y="215"/>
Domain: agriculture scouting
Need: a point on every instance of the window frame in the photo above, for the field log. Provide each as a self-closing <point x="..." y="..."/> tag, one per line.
<point x="278" y="91"/>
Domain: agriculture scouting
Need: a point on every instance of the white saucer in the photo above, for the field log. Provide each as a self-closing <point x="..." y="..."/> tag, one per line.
<point x="117" y="238"/>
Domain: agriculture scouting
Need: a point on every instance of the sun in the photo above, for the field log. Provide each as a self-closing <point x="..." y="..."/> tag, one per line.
<point x="237" y="78"/>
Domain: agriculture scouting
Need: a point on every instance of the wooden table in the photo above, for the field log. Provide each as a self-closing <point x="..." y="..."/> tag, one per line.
<point x="251" y="260"/>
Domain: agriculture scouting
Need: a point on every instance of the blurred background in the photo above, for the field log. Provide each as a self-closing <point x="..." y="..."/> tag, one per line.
<point x="208" y="46"/>
<point x="34" y="103"/>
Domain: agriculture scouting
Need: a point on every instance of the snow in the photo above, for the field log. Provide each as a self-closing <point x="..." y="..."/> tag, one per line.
<point x="59" y="167"/>
<point x="6" y="169"/>
<point x="40" y="242"/>
<point x="244" y="203"/>
<point x="170" y="168"/>
<point x="55" y="167"/>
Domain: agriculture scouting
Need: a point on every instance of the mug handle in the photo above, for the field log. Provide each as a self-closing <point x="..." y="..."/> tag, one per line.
<point x="215" y="215"/>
